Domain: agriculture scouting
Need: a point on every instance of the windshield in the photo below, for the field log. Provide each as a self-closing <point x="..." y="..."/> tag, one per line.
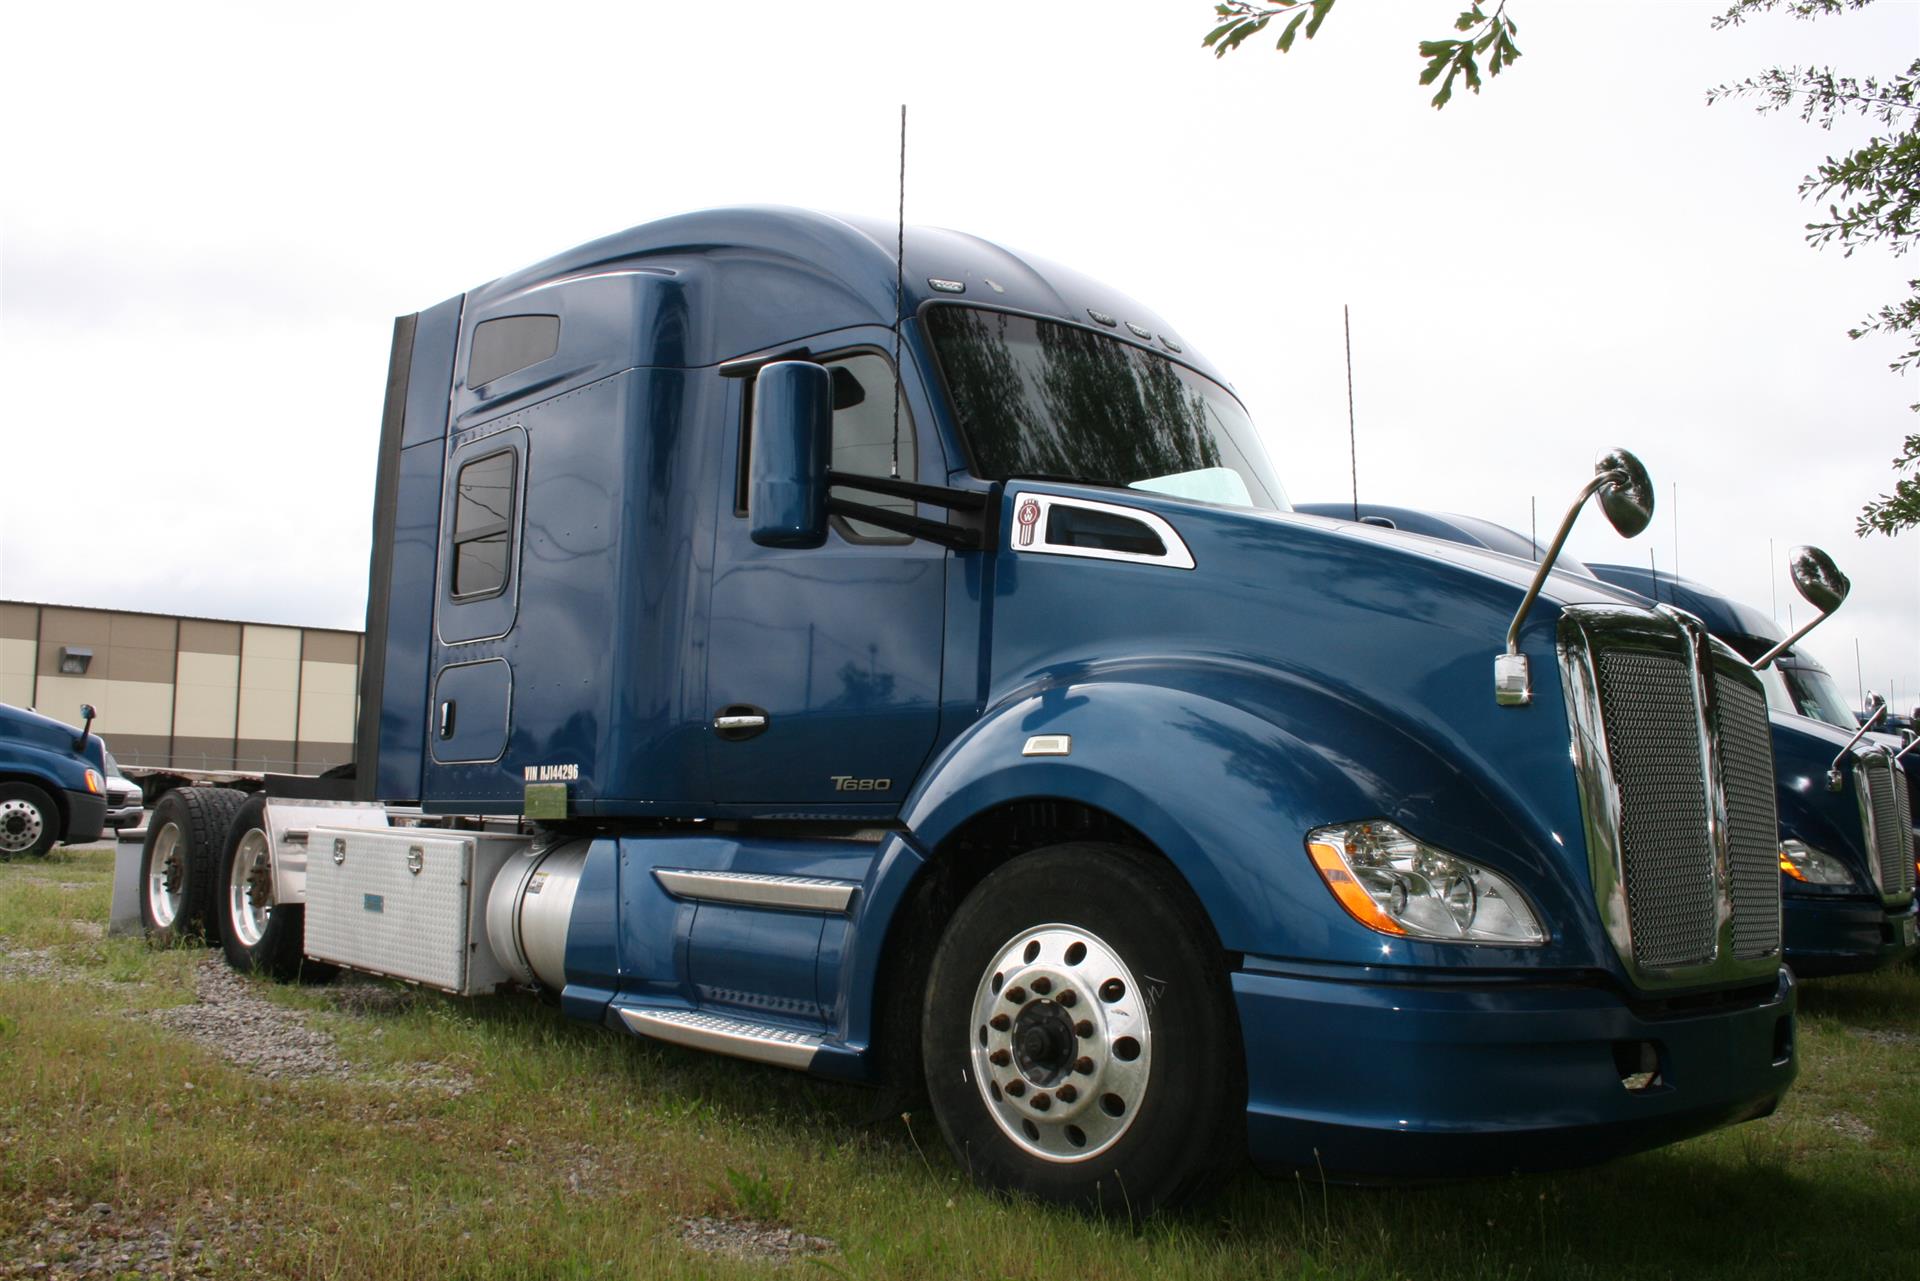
<point x="1815" y="695"/>
<point x="1040" y="398"/>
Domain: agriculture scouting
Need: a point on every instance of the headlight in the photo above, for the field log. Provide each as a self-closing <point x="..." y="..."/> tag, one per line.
<point x="1804" y="863"/>
<point x="93" y="782"/>
<point x="1391" y="882"/>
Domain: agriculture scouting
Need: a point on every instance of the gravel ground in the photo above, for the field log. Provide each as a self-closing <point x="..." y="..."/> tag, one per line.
<point x="33" y="963"/>
<point x="249" y="1031"/>
<point x="745" y="1239"/>
<point x="69" y="1240"/>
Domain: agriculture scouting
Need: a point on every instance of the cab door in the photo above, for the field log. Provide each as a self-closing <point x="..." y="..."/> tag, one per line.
<point x="823" y="674"/>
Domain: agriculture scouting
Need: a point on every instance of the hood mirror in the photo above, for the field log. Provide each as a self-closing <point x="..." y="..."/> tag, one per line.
<point x="1876" y="712"/>
<point x="1817" y="578"/>
<point x="86" y="715"/>
<point x="1626" y="495"/>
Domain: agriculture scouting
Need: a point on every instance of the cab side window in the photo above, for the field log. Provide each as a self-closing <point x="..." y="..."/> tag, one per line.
<point x="863" y="439"/>
<point x="482" y="525"/>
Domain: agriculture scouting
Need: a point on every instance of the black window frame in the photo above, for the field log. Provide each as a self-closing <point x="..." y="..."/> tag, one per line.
<point x="490" y="529"/>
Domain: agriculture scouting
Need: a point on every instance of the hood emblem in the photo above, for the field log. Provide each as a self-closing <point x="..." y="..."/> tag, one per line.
<point x="1029" y="516"/>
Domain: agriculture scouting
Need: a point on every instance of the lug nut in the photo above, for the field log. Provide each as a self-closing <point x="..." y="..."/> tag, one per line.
<point x="1068" y="997"/>
<point x="1068" y="1092"/>
<point x="1017" y="994"/>
<point x="1083" y="1065"/>
<point x="1083" y="1028"/>
<point x="1043" y="985"/>
<point x="1041" y="1101"/>
<point x="1016" y="1088"/>
<point x="999" y="1058"/>
<point x="999" y="1022"/>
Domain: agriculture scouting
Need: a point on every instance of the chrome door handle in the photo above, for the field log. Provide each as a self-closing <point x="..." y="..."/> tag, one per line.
<point x="739" y="721"/>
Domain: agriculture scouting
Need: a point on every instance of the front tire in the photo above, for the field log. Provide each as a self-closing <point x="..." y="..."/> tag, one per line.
<point x="259" y="936"/>
<point x="179" y="865"/>
<point x="29" y="820"/>
<point x="1079" y="1038"/>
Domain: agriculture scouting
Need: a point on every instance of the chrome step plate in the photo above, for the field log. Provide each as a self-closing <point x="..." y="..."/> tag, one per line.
<point x="721" y="1035"/>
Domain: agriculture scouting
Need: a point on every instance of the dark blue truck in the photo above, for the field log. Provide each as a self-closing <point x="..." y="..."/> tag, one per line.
<point x="1000" y="731"/>
<point x="1847" y="812"/>
<point x="52" y="784"/>
<point x="1848" y="816"/>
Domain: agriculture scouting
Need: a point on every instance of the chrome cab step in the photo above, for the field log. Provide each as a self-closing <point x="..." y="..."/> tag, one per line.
<point x="741" y="1038"/>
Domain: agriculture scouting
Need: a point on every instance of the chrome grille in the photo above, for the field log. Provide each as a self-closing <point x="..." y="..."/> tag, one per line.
<point x="1882" y="789"/>
<point x="1653" y="743"/>
<point x="1753" y="832"/>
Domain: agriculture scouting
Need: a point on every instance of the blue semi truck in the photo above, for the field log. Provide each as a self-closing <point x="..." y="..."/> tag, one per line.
<point x="52" y="782"/>
<point x="997" y="729"/>
<point x="1848" y="801"/>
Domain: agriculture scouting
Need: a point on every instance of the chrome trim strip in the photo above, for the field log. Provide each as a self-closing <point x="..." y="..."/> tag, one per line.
<point x="1176" y="556"/>
<point x="755" y="889"/>
<point x="720" y="1035"/>
<point x="1719" y="838"/>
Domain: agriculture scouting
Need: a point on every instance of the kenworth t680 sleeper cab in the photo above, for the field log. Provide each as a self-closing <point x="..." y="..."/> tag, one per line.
<point x="1066" y="772"/>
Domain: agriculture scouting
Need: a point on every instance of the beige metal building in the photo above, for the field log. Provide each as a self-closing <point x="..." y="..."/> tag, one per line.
<point x="188" y="693"/>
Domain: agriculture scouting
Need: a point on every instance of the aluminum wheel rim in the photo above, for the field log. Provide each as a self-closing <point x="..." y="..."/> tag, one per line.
<point x="166" y="876"/>
<point x="1062" y="1043"/>
<point x="21" y="824"/>
<point x="250" y="889"/>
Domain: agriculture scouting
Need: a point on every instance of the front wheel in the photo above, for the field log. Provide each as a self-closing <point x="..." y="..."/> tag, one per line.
<point x="259" y="936"/>
<point x="1079" y="1039"/>
<point x="29" y="823"/>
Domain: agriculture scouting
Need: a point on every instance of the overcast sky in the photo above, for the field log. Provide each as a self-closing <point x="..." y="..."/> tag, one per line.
<point x="213" y="212"/>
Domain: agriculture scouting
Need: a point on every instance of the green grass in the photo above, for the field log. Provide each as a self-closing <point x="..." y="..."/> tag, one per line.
<point x="577" y="1151"/>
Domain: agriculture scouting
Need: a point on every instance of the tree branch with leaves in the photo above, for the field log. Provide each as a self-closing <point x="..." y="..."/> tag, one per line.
<point x="1871" y="193"/>
<point x="1482" y="35"/>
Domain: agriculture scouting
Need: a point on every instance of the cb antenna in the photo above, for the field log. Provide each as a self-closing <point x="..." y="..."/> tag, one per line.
<point x="899" y="291"/>
<point x="1353" y="440"/>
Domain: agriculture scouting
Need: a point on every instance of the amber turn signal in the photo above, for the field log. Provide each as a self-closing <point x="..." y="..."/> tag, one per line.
<point x="1359" y="903"/>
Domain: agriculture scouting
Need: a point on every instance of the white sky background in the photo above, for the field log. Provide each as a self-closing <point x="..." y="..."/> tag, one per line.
<point x="210" y="214"/>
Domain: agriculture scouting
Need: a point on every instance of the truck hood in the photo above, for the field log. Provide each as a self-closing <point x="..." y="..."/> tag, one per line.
<point x="22" y="725"/>
<point x="1563" y="586"/>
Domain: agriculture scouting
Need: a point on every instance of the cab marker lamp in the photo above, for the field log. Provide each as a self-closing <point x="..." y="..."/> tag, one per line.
<point x="1396" y="884"/>
<point x="1802" y="862"/>
<point x="93" y="783"/>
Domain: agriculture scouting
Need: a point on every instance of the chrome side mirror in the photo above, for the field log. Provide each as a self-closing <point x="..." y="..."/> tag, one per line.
<point x="1626" y="495"/>
<point x="1817" y="578"/>
<point x="1876" y="712"/>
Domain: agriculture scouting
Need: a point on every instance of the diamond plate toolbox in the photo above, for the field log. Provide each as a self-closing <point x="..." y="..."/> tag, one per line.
<point x="406" y="903"/>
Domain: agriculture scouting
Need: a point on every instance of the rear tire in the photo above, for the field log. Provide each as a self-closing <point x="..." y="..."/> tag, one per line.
<point x="258" y="936"/>
<point x="29" y="820"/>
<point x="1079" y="1039"/>
<point x="180" y="863"/>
